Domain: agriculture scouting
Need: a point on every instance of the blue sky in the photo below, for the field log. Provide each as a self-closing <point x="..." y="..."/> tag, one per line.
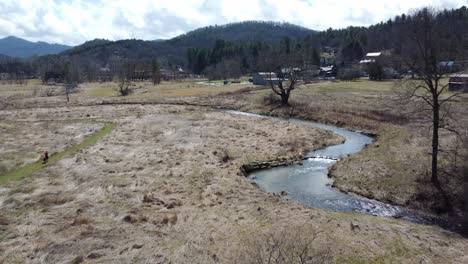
<point x="75" y="21"/>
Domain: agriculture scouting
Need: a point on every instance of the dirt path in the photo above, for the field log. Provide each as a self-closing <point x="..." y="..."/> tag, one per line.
<point x="32" y="168"/>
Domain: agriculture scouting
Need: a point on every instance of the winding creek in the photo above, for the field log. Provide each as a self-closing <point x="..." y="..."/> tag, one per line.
<point x="309" y="184"/>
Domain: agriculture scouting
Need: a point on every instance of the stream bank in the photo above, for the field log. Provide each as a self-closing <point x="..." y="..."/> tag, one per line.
<point x="306" y="180"/>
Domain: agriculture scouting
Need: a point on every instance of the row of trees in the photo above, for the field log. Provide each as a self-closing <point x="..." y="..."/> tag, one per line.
<point x="129" y="71"/>
<point x="77" y="71"/>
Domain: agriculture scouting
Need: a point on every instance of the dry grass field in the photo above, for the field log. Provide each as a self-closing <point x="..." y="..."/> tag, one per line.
<point x="163" y="185"/>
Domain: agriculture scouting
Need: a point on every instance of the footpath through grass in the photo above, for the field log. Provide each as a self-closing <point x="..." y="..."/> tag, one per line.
<point x="38" y="165"/>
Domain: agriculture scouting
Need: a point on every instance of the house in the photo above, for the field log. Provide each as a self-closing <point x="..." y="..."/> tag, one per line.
<point x="370" y="57"/>
<point x="265" y="78"/>
<point x="104" y="74"/>
<point x="176" y="73"/>
<point x="326" y="71"/>
<point x="459" y="83"/>
<point x="327" y="58"/>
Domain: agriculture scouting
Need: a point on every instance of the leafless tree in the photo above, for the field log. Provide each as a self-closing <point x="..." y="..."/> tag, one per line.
<point x="424" y="51"/>
<point x="72" y="77"/>
<point x="126" y="71"/>
<point x="284" y="73"/>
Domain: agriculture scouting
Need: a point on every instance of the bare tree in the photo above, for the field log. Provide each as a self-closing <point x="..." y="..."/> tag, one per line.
<point x="72" y="76"/>
<point x="125" y="76"/>
<point x="283" y="74"/>
<point x="424" y="51"/>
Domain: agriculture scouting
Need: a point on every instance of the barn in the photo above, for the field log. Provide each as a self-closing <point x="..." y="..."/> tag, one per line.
<point x="264" y="78"/>
<point x="459" y="83"/>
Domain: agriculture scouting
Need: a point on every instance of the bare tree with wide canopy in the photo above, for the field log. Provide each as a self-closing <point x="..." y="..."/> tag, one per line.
<point x="425" y="51"/>
<point x="285" y="73"/>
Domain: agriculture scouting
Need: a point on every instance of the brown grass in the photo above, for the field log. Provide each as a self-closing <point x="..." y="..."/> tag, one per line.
<point x="282" y="246"/>
<point x="49" y="199"/>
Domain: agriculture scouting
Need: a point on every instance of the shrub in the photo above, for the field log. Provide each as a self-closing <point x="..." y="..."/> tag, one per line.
<point x="349" y="74"/>
<point x="124" y="87"/>
<point x="288" y="246"/>
<point x="271" y="99"/>
<point x="376" y="72"/>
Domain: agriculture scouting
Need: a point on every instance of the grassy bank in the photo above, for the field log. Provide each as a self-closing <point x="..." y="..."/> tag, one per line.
<point x="38" y="165"/>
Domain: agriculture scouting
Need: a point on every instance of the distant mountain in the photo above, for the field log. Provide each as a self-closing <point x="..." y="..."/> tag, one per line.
<point x="176" y="48"/>
<point x="103" y="51"/>
<point x="17" y="47"/>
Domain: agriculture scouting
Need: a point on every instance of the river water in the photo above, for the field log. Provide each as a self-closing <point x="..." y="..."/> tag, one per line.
<point x="310" y="185"/>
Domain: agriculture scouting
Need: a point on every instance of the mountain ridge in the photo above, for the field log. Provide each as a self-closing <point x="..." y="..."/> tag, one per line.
<point x="175" y="49"/>
<point x="13" y="46"/>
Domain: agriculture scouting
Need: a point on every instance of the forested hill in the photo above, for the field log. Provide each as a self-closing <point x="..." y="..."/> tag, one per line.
<point x="17" y="47"/>
<point x="248" y="31"/>
<point x="175" y="49"/>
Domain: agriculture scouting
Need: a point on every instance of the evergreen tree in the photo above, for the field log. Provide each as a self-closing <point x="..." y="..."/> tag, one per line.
<point x="315" y="57"/>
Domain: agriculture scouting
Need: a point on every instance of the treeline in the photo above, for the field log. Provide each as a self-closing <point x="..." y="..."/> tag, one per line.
<point x="74" y="71"/>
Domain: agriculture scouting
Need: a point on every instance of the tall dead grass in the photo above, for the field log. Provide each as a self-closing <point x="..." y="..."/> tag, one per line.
<point x="291" y="245"/>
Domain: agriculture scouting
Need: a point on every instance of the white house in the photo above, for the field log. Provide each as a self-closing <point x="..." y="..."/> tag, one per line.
<point x="370" y="57"/>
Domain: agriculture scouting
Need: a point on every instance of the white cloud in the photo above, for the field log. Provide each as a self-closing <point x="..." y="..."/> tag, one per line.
<point x="75" y="21"/>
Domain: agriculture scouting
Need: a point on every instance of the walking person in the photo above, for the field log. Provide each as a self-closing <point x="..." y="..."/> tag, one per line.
<point x="46" y="157"/>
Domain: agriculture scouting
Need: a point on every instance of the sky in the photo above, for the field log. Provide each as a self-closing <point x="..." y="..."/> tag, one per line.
<point x="73" y="22"/>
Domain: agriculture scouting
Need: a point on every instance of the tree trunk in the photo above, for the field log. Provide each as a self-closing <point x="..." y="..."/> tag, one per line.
<point x="435" y="143"/>
<point x="284" y="99"/>
<point x="435" y="152"/>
